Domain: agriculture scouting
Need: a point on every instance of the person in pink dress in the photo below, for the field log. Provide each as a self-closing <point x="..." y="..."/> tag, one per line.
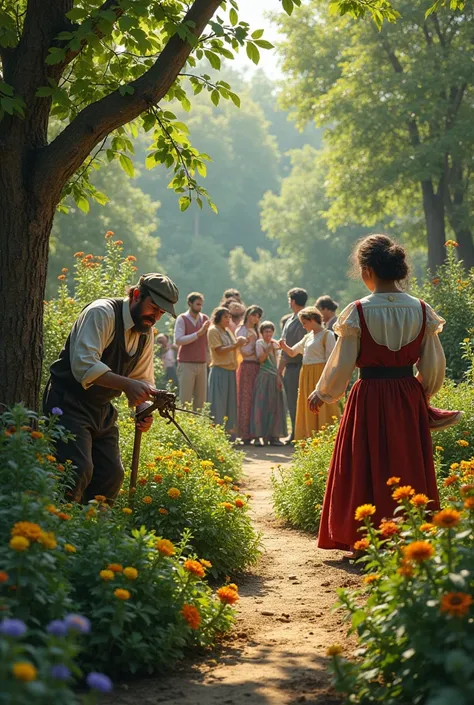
<point x="385" y="428"/>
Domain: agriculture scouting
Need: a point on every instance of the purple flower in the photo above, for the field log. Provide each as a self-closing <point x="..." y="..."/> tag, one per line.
<point x="56" y="411"/>
<point x="60" y="672"/>
<point x="77" y="623"/>
<point x="12" y="627"/>
<point x="99" y="681"/>
<point x="57" y="628"/>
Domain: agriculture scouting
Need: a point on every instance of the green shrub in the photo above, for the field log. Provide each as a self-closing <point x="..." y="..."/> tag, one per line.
<point x="415" y="630"/>
<point x="298" y="488"/>
<point x="54" y="554"/>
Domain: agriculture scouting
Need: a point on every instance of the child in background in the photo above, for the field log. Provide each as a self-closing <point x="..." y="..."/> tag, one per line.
<point x="167" y="355"/>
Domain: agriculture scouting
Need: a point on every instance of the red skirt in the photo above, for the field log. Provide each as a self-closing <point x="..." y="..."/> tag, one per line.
<point x="246" y="380"/>
<point x="384" y="433"/>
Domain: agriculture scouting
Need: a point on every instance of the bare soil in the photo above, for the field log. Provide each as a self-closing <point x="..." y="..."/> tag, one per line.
<point x="276" y="653"/>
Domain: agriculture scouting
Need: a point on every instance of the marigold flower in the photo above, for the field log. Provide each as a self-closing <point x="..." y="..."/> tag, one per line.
<point x="469" y="503"/>
<point x="60" y="467"/>
<point x="454" y="466"/>
<point x="91" y="512"/>
<point x="451" y="243"/>
<point x="3" y="576"/>
<point x="239" y="503"/>
<point x="388" y="528"/>
<point x="309" y="482"/>
<point x="462" y="443"/>
<point x="191" y="616"/>
<point x="364" y="511"/>
<point x="64" y="516"/>
<point x="107" y="575"/>
<point x="142" y="481"/>
<point x="419" y="500"/>
<point x="131" y="258"/>
<point x="19" y="543"/>
<point x="163" y="511"/>
<point x="109" y="233"/>
<point x="233" y="586"/>
<point x="28" y="529"/>
<point x="51" y="458"/>
<point x="440" y="449"/>
<point x="404" y="492"/>
<point x="24" y="671"/>
<point x="369" y="579"/>
<point x="36" y="434"/>
<point x="174" y="493"/>
<point x="117" y="242"/>
<point x="78" y="254"/>
<point x="393" y="481"/>
<point x="62" y="277"/>
<point x="334" y="650"/>
<point x="228" y="595"/>
<point x="88" y="257"/>
<point x="147" y="499"/>
<point x="206" y="564"/>
<point x="47" y="539"/>
<point x="362" y="545"/>
<point x="447" y="518"/>
<point x="228" y="506"/>
<point x="122" y="594"/>
<point x="451" y="480"/>
<point x="165" y="547"/>
<point x="405" y="569"/>
<point x="418" y="551"/>
<point x="427" y="526"/>
<point x="100" y="498"/>
<point x="130" y="573"/>
<point x="126" y="510"/>
<point x="195" y="568"/>
<point x="69" y="548"/>
<point x="436" y="281"/>
<point x="456" y="604"/>
<point x="115" y="567"/>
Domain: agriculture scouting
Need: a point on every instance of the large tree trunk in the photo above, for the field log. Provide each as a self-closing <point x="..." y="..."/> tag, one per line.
<point x="458" y="214"/>
<point x="433" y="207"/>
<point x="25" y="226"/>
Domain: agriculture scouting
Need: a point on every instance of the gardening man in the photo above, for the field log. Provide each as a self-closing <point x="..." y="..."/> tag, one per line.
<point x="108" y="351"/>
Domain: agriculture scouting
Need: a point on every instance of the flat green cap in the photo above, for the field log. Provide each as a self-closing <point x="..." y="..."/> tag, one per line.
<point x="163" y="291"/>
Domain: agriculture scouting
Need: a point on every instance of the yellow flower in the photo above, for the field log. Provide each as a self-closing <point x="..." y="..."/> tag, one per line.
<point x="115" y="567"/>
<point x="364" y="511"/>
<point x="69" y="548"/>
<point x="206" y="564"/>
<point x="404" y="492"/>
<point x="147" y="499"/>
<point x="334" y="650"/>
<point x="309" y="482"/>
<point x="369" y="579"/>
<point x="127" y="510"/>
<point x="462" y="443"/>
<point x="165" y="547"/>
<point x="228" y="506"/>
<point x="51" y="509"/>
<point x="195" y="568"/>
<point x="393" y="481"/>
<point x="27" y="529"/>
<point x="439" y="449"/>
<point x="174" y="493"/>
<point x="456" y="604"/>
<point x="447" y="518"/>
<point x="130" y="573"/>
<point x="47" y="539"/>
<point x="51" y="458"/>
<point x="418" y="551"/>
<point x="99" y="498"/>
<point x="122" y="594"/>
<point x="419" y="500"/>
<point x="19" y="543"/>
<point x="107" y="575"/>
<point x="454" y="466"/>
<point x="427" y="526"/>
<point x="191" y="616"/>
<point x="24" y="671"/>
<point x="451" y="480"/>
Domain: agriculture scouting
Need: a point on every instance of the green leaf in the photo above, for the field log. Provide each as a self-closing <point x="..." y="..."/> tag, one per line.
<point x="55" y="56"/>
<point x="82" y="203"/>
<point x="263" y="44"/>
<point x="127" y="165"/>
<point x="215" y="97"/>
<point x="213" y="59"/>
<point x="233" y="17"/>
<point x="184" y="203"/>
<point x="257" y="34"/>
<point x="252" y="52"/>
<point x="44" y="92"/>
<point x="288" y="6"/>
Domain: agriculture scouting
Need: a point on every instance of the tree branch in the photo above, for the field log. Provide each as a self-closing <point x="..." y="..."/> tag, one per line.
<point x="58" y="162"/>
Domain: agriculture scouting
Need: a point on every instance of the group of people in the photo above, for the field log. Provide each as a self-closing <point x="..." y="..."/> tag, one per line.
<point x="384" y="434"/>
<point x="253" y="379"/>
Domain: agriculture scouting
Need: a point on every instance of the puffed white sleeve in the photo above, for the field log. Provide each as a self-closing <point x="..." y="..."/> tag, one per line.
<point x="342" y="360"/>
<point x="432" y="363"/>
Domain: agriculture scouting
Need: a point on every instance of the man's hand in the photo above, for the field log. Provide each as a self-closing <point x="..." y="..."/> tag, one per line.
<point x="205" y="327"/>
<point x="138" y="392"/>
<point x="314" y="402"/>
<point x="145" y="424"/>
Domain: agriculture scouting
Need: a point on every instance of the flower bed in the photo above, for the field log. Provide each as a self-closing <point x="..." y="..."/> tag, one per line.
<point x="146" y="598"/>
<point x="416" y="629"/>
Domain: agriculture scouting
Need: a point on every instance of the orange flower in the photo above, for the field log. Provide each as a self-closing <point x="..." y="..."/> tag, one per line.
<point x="64" y="270"/>
<point x="419" y="500"/>
<point x="427" y="526"/>
<point x="117" y="242"/>
<point x="456" y="604"/>
<point x="465" y="489"/>
<point x="28" y="529"/>
<point x="228" y="595"/>
<point x="393" y="481"/>
<point x="404" y="492"/>
<point x="451" y="480"/>
<point x="36" y="434"/>
<point x="239" y="503"/>
<point x="62" y="277"/>
<point x="451" y="243"/>
<point x="418" y="551"/>
<point x="100" y="498"/>
<point x="469" y="503"/>
<point x="122" y="594"/>
<point x="115" y="567"/>
<point x="109" y="233"/>
<point x="362" y="545"/>
<point x="131" y="258"/>
<point x="174" y="493"/>
<point x="447" y="518"/>
<point x="158" y="478"/>
<point x="364" y="511"/>
<point x="107" y="575"/>
<point x="87" y="258"/>
<point x="388" y="528"/>
<point x="78" y="254"/>
<point x="191" y="616"/>
<point x="369" y="579"/>
<point x="147" y="499"/>
<point x="228" y="506"/>
<point x="143" y="481"/>
<point x="165" y="547"/>
<point x="163" y="511"/>
<point x="64" y="516"/>
<point x="3" y="576"/>
<point x="405" y="569"/>
<point x="195" y="568"/>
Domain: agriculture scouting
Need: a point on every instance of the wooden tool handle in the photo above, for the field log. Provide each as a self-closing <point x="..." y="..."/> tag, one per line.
<point x="135" y="460"/>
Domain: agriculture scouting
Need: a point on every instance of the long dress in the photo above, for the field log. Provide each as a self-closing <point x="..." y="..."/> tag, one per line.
<point x="269" y="410"/>
<point x="316" y="348"/>
<point x="246" y="377"/>
<point x="384" y="430"/>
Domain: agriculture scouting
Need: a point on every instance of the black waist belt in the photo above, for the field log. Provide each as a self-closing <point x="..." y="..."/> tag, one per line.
<point x="385" y="372"/>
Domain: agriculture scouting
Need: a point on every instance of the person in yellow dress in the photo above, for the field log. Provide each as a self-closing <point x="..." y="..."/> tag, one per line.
<point x="316" y="347"/>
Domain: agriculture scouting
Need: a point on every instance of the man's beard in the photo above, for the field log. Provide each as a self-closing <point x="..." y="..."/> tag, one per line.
<point x="140" y="325"/>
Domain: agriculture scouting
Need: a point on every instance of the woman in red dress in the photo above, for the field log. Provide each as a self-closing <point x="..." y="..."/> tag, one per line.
<point x="385" y="428"/>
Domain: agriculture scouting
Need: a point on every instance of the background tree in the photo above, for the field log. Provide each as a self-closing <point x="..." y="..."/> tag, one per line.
<point x="398" y="105"/>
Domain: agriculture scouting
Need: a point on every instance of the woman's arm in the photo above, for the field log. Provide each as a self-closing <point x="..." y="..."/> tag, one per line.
<point x="293" y="351"/>
<point x="431" y="365"/>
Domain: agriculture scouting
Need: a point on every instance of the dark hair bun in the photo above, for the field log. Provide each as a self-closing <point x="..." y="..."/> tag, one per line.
<point x="384" y="256"/>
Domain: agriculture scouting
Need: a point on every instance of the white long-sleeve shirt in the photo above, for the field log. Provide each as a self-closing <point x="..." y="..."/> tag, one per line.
<point x="393" y="320"/>
<point x="180" y="338"/>
<point x="94" y="332"/>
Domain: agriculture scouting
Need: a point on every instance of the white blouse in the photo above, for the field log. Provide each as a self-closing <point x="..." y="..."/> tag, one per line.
<point x="316" y="347"/>
<point x="393" y="320"/>
<point x="248" y="351"/>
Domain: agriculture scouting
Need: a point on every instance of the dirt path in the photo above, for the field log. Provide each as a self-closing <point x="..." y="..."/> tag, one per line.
<point x="276" y="654"/>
